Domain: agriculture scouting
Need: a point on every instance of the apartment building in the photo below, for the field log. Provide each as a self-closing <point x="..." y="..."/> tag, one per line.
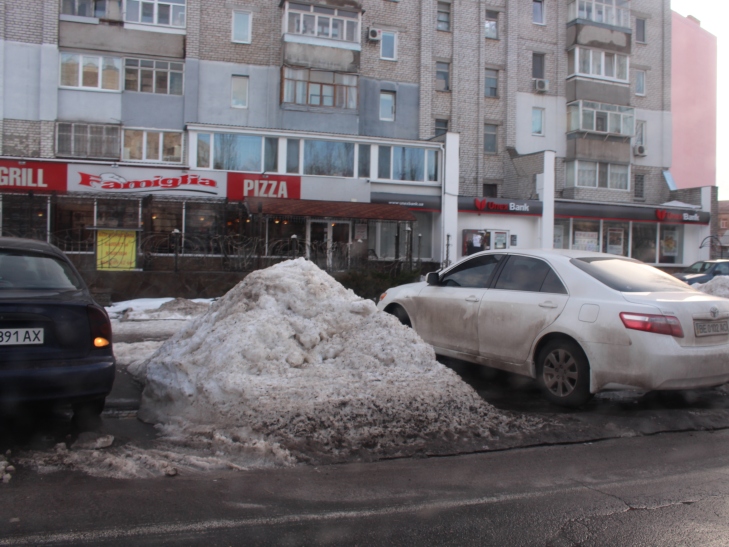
<point x="416" y="128"/>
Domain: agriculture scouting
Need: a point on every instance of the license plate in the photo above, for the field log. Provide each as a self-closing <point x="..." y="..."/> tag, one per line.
<point x="21" y="337"/>
<point x="711" y="328"/>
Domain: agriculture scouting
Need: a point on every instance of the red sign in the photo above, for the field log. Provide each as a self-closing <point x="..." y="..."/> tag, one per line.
<point x="483" y="205"/>
<point x="111" y="181"/>
<point x="243" y="185"/>
<point x="27" y="176"/>
<point x="662" y="216"/>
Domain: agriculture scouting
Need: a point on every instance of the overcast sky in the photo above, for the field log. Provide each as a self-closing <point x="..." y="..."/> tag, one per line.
<point x="713" y="17"/>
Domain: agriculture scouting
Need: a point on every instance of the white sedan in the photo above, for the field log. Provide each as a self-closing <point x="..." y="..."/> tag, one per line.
<point x="578" y="322"/>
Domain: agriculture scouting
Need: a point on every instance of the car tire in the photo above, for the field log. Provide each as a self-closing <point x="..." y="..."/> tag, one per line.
<point x="87" y="415"/>
<point x="402" y="316"/>
<point x="563" y="373"/>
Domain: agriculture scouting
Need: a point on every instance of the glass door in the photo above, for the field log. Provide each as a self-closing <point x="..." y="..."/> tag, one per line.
<point x="328" y="245"/>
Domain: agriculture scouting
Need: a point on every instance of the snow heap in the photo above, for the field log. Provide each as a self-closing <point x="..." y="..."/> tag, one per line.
<point x="719" y="286"/>
<point x="291" y="364"/>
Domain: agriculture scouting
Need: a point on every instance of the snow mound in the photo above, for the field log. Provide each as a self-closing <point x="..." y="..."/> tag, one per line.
<point x="133" y="357"/>
<point x="179" y="309"/>
<point x="719" y="286"/>
<point x="291" y="358"/>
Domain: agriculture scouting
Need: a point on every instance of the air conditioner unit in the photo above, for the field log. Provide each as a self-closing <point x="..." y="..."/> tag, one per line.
<point x="639" y="150"/>
<point x="374" y="34"/>
<point x="541" y="85"/>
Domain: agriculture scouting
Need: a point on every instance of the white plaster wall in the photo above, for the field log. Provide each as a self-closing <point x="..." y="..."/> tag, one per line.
<point x="555" y="123"/>
<point x="658" y="140"/>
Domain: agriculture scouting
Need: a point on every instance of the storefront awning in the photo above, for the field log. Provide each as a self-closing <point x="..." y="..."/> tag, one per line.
<point x="328" y="209"/>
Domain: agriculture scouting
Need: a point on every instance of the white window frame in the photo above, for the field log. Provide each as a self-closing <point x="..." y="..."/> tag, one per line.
<point x="572" y="170"/>
<point x="139" y="68"/>
<point x="76" y="127"/>
<point x="130" y="6"/>
<point x="609" y="12"/>
<point x="577" y="54"/>
<point x="100" y="77"/>
<point x="297" y="90"/>
<point x="640" y="83"/>
<point x="580" y="110"/>
<point x="249" y="27"/>
<point x="543" y="20"/>
<point x="391" y="117"/>
<point x="394" y="45"/>
<point x="239" y="78"/>
<point x="297" y="13"/>
<point x="538" y="114"/>
<point x="146" y="132"/>
<point x="641" y="133"/>
<point x="95" y="8"/>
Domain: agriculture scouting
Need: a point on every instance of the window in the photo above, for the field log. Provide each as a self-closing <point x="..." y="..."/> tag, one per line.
<point x="441" y="127"/>
<point x="491" y="25"/>
<point x="640" y="31"/>
<point x="490" y="190"/>
<point x="320" y="88"/>
<point x="242" y="27"/>
<point x="442" y="76"/>
<point x="489" y="138"/>
<point x="523" y="273"/>
<point x="723" y="223"/>
<point x="292" y="155"/>
<point x="538" y="121"/>
<point x="84" y="8"/>
<point x="237" y="152"/>
<point x="600" y="118"/>
<point x="538" y="11"/>
<point x="640" y="82"/>
<point x="609" y="12"/>
<point x="597" y="64"/>
<point x="90" y="71"/>
<point x="323" y="22"/>
<point x="590" y="174"/>
<point x="406" y="163"/>
<point x="239" y="92"/>
<point x="474" y="273"/>
<point x="640" y="133"/>
<point x="169" y="13"/>
<point x="388" y="46"/>
<point x="148" y="76"/>
<point x="363" y="168"/>
<point x="146" y="145"/>
<point x="491" y="84"/>
<point x="82" y="140"/>
<point x="444" y="16"/>
<point x="387" y="106"/>
<point x="538" y="65"/>
<point x="328" y="158"/>
<point x="639" y="187"/>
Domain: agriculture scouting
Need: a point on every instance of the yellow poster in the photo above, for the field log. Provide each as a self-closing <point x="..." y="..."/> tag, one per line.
<point x="116" y="250"/>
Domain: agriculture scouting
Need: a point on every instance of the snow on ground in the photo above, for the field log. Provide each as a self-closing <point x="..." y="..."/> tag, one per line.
<point x="133" y="357"/>
<point x="719" y="286"/>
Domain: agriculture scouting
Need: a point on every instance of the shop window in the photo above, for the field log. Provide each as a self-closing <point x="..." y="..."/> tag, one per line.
<point x="561" y="233"/>
<point x="117" y="213"/>
<point x="72" y="222"/>
<point x="328" y="158"/>
<point x="234" y="152"/>
<point x="242" y="27"/>
<point x="165" y="217"/>
<point x="670" y="250"/>
<point x="25" y="215"/>
<point x="82" y="140"/>
<point x="237" y="222"/>
<point x="319" y="88"/>
<point x="203" y="220"/>
<point x="286" y="237"/>
<point x="168" y="13"/>
<point x="643" y="245"/>
<point x="586" y="235"/>
<point x="90" y="72"/>
<point x="150" y="76"/>
<point x="615" y="238"/>
<point x="152" y="146"/>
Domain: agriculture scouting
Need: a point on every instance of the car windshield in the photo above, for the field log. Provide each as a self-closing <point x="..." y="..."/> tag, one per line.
<point x="23" y="270"/>
<point x="698" y="267"/>
<point x="628" y="275"/>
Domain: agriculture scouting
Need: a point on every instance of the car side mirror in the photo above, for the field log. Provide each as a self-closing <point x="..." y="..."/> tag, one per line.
<point x="432" y="278"/>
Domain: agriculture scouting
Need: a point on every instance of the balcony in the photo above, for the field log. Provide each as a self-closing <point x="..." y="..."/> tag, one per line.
<point x="614" y="13"/>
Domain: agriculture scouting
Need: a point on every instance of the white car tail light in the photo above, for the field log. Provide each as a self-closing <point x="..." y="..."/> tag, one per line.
<point x="660" y="324"/>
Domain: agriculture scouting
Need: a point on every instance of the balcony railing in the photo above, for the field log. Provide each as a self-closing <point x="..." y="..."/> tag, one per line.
<point x="609" y="12"/>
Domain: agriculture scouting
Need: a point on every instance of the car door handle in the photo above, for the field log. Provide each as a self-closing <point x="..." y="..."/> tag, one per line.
<point x="548" y="304"/>
<point x="472" y="299"/>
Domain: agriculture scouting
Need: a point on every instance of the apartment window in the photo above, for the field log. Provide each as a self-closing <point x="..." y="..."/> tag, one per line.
<point x="388" y="46"/>
<point x="640" y="82"/>
<point x="169" y="13"/>
<point x="242" y="27"/>
<point x="320" y="88"/>
<point x="538" y="121"/>
<point x="609" y="12"/>
<point x="292" y="155"/>
<point x="640" y="133"/>
<point x="237" y="152"/>
<point x="329" y="158"/>
<point x="597" y="64"/>
<point x="538" y="11"/>
<point x="640" y="31"/>
<point x="441" y="127"/>
<point x="148" y="76"/>
<point x="589" y="174"/>
<point x="323" y="22"/>
<point x="538" y="65"/>
<point x="600" y="118"/>
<point x="407" y="163"/>
<point x="387" y="106"/>
<point x="490" y="190"/>
<point x="491" y="25"/>
<point x="639" y="186"/>
<point x="239" y="92"/>
<point x="90" y="71"/>
<point x="444" y="16"/>
<point x="491" y="85"/>
<point x="147" y="145"/>
<point x="82" y="140"/>
<point x="442" y="76"/>
<point x="490" y="132"/>
<point x="723" y="224"/>
<point x="84" y="8"/>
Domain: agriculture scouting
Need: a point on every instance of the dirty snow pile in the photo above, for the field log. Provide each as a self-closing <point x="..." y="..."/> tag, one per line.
<point x="719" y="286"/>
<point x="291" y="364"/>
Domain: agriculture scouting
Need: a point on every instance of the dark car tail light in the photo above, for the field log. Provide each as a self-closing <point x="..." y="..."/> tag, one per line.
<point x="100" y="326"/>
<point x="660" y="324"/>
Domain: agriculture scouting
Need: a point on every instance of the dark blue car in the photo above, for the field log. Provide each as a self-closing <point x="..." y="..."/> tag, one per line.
<point x="55" y="340"/>
<point x="704" y="271"/>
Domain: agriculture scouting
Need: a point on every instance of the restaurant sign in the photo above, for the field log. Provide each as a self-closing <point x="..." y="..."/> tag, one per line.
<point x="32" y="176"/>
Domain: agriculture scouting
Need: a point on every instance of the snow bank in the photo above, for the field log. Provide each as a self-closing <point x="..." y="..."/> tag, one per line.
<point x="150" y="309"/>
<point x="293" y="365"/>
<point x="719" y="286"/>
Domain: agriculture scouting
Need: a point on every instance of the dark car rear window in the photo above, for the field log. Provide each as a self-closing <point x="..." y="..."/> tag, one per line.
<point x="22" y="270"/>
<point x="627" y="275"/>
